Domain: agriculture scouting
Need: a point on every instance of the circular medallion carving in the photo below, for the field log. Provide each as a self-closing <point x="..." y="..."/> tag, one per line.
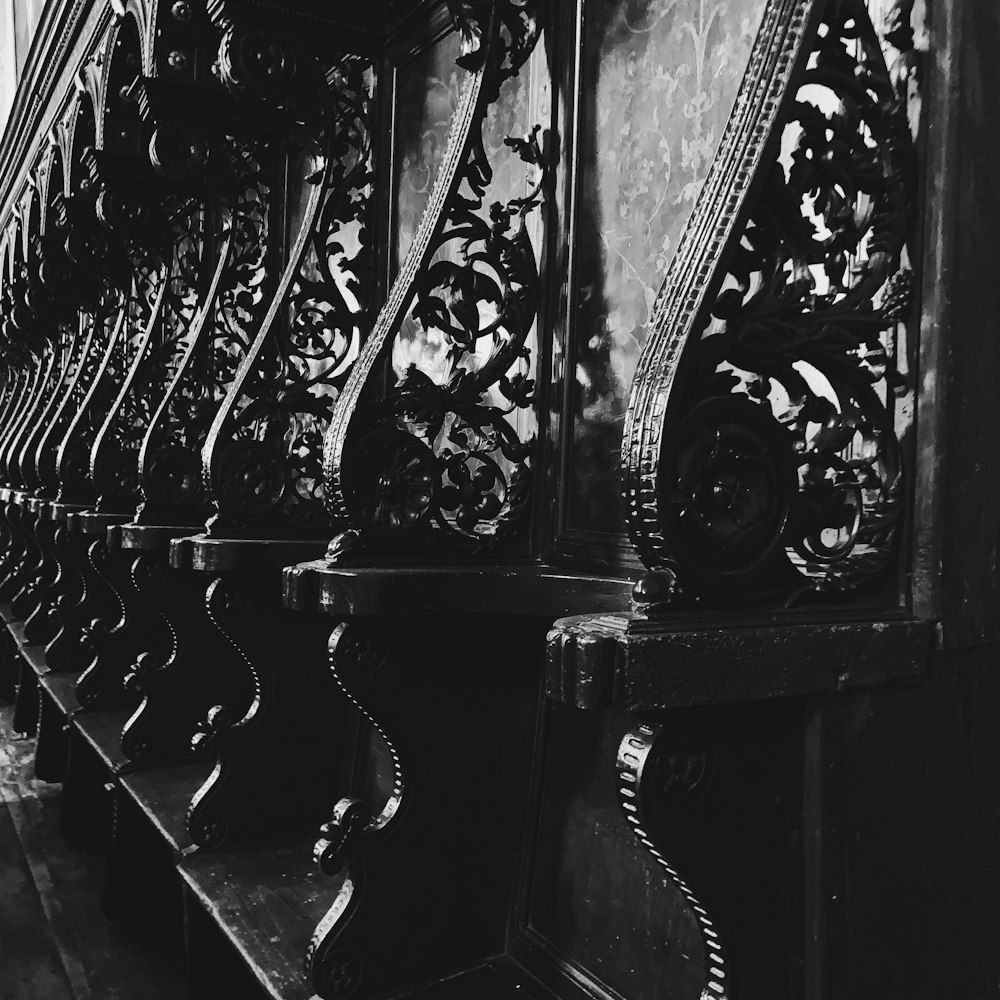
<point x="258" y="64"/>
<point x="174" y="475"/>
<point x="251" y="477"/>
<point x="395" y="476"/>
<point x="124" y="210"/>
<point x="726" y="482"/>
<point x="339" y="975"/>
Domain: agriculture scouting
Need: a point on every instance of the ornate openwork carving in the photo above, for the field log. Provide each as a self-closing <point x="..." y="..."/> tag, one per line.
<point x="81" y="286"/>
<point x="761" y="448"/>
<point x="263" y="455"/>
<point x="218" y="339"/>
<point x="29" y="351"/>
<point x="51" y="338"/>
<point x="152" y="349"/>
<point x="119" y="331"/>
<point x="444" y="454"/>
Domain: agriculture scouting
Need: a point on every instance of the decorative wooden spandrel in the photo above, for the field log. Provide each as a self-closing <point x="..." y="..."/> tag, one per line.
<point x="442" y="457"/>
<point x="762" y="442"/>
<point x="659" y="82"/>
<point x="262" y="454"/>
<point x="764" y="472"/>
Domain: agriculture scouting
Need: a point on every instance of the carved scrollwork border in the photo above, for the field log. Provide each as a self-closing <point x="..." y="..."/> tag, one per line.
<point x="727" y="481"/>
<point x="749" y="137"/>
<point x="258" y="462"/>
<point x="170" y="454"/>
<point x="640" y="783"/>
<point x="370" y="450"/>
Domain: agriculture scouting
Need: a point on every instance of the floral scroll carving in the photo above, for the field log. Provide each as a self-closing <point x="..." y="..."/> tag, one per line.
<point x="82" y="288"/>
<point x="119" y="332"/>
<point x="445" y="457"/>
<point x="151" y="352"/>
<point x="58" y="299"/>
<point x="119" y="236"/>
<point x="219" y="335"/>
<point x="761" y="449"/>
<point x="263" y="455"/>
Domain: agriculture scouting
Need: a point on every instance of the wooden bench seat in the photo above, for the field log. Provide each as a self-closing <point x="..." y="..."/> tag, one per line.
<point x="164" y="794"/>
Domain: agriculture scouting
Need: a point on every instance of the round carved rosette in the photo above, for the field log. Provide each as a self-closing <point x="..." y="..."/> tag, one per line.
<point x="60" y="280"/>
<point x="476" y="490"/>
<point x="209" y="830"/>
<point x="75" y="471"/>
<point x="339" y="975"/>
<point x="358" y="650"/>
<point x="86" y="245"/>
<point x="127" y="211"/>
<point x="684" y="764"/>
<point x="394" y="481"/>
<point x="251" y="478"/>
<point x="174" y="475"/>
<point x="136" y="749"/>
<point x="41" y="300"/>
<point x="116" y="471"/>
<point x="259" y="63"/>
<point x="726" y="482"/>
<point x="149" y="570"/>
<point x="181" y="153"/>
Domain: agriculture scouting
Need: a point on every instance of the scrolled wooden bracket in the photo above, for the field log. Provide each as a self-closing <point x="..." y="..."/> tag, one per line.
<point x="341" y="837"/>
<point x="41" y="624"/>
<point x="266" y="717"/>
<point x="654" y="773"/>
<point x="178" y="694"/>
<point x="226" y="603"/>
<point x="62" y="651"/>
<point x="126" y="649"/>
<point x="356" y="654"/>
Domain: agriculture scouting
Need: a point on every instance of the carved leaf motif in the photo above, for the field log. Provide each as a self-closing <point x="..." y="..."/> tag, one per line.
<point x="801" y="481"/>
<point x="305" y="337"/>
<point x="470" y="289"/>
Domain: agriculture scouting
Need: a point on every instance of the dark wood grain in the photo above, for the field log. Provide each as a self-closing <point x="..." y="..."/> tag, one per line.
<point x="163" y="794"/>
<point x="220" y="555"/>
<point x="61" y="688"/>
<point x="643" y="665"/>
<point x="58" y="944"/>
<point x="103" y="731"/>
<point x="34" y="655"/>
<point x="410" y="589"/>
<point x="267" y="902"/>
<point x="497" y="979"/>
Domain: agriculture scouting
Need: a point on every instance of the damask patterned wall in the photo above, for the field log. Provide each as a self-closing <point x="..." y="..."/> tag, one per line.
<point x="660" y="80"/>
<point x="429" y="93"/>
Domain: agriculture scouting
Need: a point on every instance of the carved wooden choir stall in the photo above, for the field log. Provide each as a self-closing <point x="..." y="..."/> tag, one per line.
<point x="460" y="474"/>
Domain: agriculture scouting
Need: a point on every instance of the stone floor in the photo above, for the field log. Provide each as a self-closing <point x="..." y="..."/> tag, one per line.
<point x="55" y="943"/>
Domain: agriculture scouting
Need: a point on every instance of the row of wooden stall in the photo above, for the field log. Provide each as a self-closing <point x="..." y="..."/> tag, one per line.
<point x="311" y="411"/>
